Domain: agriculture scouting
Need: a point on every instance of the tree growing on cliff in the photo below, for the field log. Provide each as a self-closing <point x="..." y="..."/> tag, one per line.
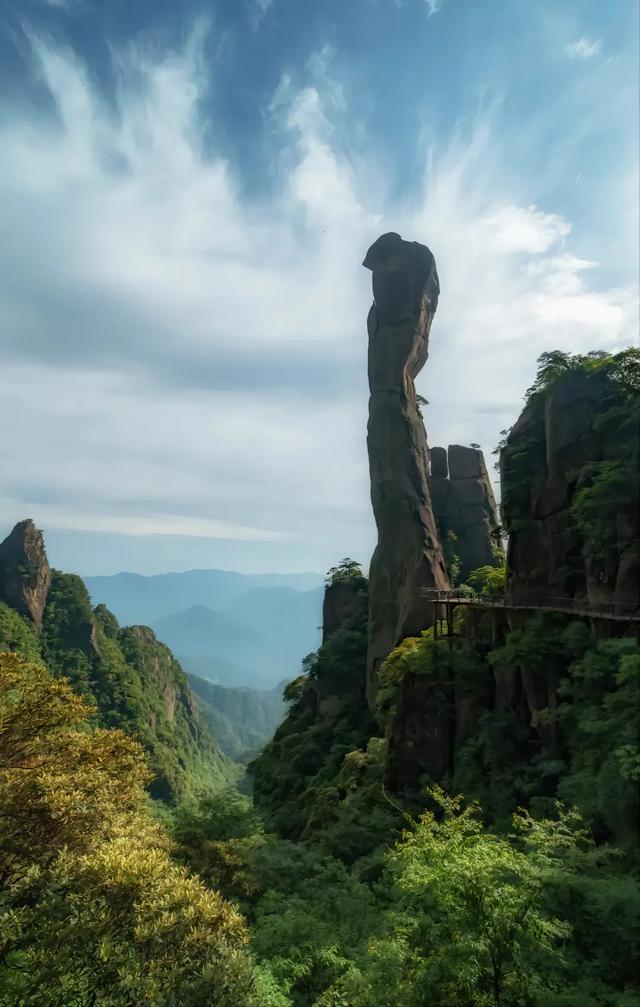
<point x="488" y="579"/>
<point x="346" y="570"/>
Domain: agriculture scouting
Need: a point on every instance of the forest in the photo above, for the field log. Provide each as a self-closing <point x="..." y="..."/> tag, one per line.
<point x="492" y="862"/>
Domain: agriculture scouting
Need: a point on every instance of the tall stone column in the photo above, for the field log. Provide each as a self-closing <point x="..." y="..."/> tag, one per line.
<point x="408" y="557"/>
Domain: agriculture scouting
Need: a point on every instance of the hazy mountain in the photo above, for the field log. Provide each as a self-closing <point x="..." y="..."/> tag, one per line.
<point x="260" y="640"/>
<point x="129" y="676"/>
<point x="236" y="629"/>
<point x="201" y="632"/>
<point x="134" y="598"/>
<point x="215" y="645"/>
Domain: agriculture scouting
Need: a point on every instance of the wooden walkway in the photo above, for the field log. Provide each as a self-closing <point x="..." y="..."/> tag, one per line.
<point x="567" y="606"/>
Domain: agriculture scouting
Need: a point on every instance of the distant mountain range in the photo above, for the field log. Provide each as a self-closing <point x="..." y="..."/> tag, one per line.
<point x="235" y="629"/>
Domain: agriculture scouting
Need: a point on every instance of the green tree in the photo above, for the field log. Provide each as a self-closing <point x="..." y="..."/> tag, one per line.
<point x="488" y="579"/>
<point x="346" y="570"/>
<point x="600" y="699"/>
<point x="16" y="634"/>
<point x="92" y="908"/>
<point x="469" y="925"/>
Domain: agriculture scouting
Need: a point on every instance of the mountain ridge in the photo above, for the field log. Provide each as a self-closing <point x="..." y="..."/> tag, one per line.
<point x="228" y="627"/>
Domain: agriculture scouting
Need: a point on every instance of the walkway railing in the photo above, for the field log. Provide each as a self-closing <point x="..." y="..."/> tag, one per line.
<point x="570" y="606"/>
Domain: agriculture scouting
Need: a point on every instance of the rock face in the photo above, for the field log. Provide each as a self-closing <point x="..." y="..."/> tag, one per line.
<point x="464" y="506"/>
<point x="408" y="556"/>
<point x="343" y="600"/>
<point x="421" y="738"/>
<point x="563" y="442"/>
<point x="25" y="576"/>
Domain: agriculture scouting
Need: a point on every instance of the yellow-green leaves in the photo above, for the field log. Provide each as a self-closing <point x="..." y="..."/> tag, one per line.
<point x="94" y="910"/>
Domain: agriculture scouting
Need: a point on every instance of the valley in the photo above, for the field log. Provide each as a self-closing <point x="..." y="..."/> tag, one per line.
<point x="411" y="786"/>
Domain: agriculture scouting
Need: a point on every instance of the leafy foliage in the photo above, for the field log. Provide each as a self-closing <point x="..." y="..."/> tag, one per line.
<point x="92" y="906"/>
<point x="451" y="557"/>
<point x="295" y="774"/>
<point x="609" y="485"/>
<point x="600" y="693"/>
<point x="488" y="579"/>
<point x="607" y="488"/>
<point x="346" y="570"/>
<point x="622" y="369"/>
<point x="134" y="682"/>
<point x="17" y="634"/>
<point x="475" y="918"/>
<point x="469" y="924"/>
<point x="242" y="720"/>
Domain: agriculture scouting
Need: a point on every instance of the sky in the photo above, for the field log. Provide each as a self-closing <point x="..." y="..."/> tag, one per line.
<point x="187" y="191"/>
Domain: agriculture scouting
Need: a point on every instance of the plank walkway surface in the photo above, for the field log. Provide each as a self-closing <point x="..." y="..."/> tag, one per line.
<point x="568" y="606"/>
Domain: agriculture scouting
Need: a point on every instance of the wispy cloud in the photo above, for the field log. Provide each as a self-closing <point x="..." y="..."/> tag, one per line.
<point x="257" y="11"/>
<point x="583" y="48"/>
<point x="187" y="360"/>
<point x="434" y="6"/>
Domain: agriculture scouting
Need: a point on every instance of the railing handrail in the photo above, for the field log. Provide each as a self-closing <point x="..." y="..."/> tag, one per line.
<point x="577" y="605"/>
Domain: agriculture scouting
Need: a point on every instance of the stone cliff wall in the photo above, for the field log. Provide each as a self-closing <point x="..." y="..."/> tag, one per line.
<point x="464" y="506"/>
<point x="408" y="557"/>
<point x="343" y="600"/>
<point x="572" y="438"/>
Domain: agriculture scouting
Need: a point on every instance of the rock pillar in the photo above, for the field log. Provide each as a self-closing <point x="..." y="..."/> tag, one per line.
<point x="25" y="576"/>
<point x="465" y="507"/>
<point x="408" y="557"/>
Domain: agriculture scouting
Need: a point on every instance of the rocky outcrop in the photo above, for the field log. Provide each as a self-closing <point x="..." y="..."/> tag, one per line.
<point x="161" y="673"/>
<point x="573" y="438"/>
<point x="421" y="737"/>
<point x="408" y="557"/>
<point x="25" y="576"/>
<point x="465" y="507"/>
<point x="343" y="600"/>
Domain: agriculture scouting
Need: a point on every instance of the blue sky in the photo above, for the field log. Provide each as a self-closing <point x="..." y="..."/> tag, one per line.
<point x="187" y="191"/>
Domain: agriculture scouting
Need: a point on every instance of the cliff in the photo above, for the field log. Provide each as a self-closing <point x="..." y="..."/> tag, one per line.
<point x="465" y="509"/>
<point x="344" y="601"/>
<point x="516" y="707"/>
<point x="570" y="477"/>
<point x="297" y="777"/>
<point x="408" y="557"/>
<point x="24" y="571"/>
<point x="132" y="679"/>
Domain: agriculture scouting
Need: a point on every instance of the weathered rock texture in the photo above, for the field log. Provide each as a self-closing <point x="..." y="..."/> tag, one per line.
<point x="343" y="600"/>
<point x="421" y="737"/>
<point x="25" y="576"/>
<point x="560" y="440"/>
<point x="408" y="556"/>
<point x="464" y="506"/>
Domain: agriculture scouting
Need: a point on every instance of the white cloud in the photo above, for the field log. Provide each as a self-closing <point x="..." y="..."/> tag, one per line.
<point x="434" y="6"/>
<point x="148" y="524"/>
<point x="257" y="11"/>
<point x="523" y="229"/>
<point x="182" y="359"/>
<point x="66" y="5"/>
<point x="583" y="48"/>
